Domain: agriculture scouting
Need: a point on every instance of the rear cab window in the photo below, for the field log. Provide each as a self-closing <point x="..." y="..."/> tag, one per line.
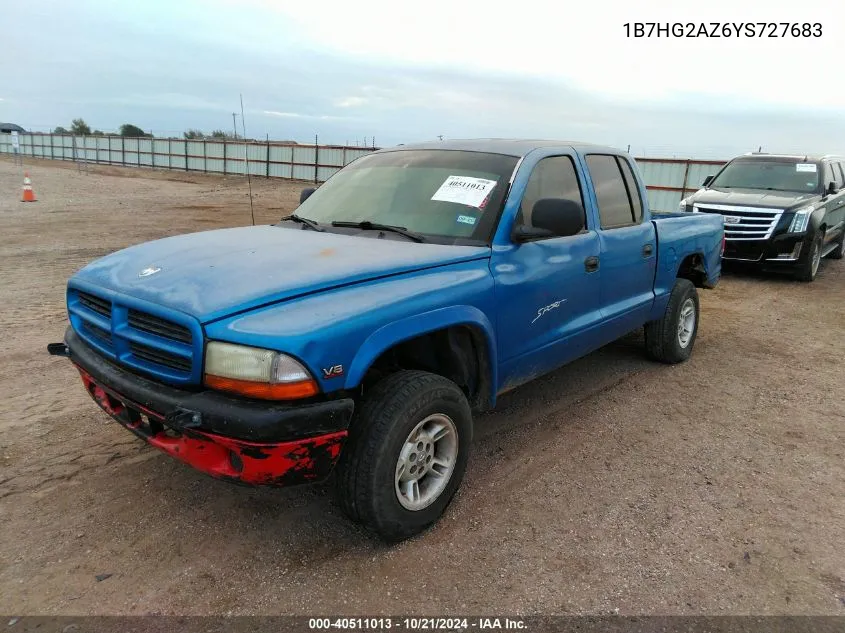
<point x="617" y="195"/>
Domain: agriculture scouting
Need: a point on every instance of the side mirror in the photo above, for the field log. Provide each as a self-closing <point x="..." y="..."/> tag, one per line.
<point x="831" y="188"/>
<point x="552" y="217"/>
<point x="306" y="193"/>
<point x="707" y="181"/>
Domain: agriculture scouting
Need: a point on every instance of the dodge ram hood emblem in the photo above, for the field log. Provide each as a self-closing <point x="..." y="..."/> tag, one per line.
<point x="148" y="271"/>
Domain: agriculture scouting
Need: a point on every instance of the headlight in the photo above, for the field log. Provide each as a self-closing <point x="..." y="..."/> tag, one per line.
<point x="255" y="372"/>
<point x="801" y="219"/>
<point x="683" y="204"/>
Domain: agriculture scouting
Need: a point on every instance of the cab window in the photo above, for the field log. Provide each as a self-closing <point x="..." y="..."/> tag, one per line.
<point x="553" y="177"/>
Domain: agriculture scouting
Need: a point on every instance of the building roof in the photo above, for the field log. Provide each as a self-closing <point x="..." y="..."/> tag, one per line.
<point x="11" y="127"/>
<point x="509" y="147"/>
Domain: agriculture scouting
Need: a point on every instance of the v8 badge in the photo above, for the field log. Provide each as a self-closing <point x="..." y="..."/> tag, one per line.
<point x="332" y="372"/>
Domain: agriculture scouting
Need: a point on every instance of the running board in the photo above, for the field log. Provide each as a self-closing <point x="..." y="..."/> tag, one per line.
<point x="830" y="249"/>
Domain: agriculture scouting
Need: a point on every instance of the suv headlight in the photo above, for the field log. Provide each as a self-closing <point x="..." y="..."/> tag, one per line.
<point x="256" y="372"/>
<point x="801" y="219"/>
<point x="683" y="205"/>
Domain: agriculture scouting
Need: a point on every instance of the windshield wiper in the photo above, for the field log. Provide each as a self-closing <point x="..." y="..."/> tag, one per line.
<point x="311" y="224"/>
<point x="375" y="226"/>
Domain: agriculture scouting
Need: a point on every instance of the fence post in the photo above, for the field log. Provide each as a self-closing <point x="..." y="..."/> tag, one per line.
<point x="686" y="176"/>
<point x="343" y="159"/>
<point x="186" y="154"/>
<point x="316" y="157"/>
<point x="138" y="152"/>
<point x="225" y="144"/>
<point x="267" y="166"/>
<point x="204" y="157"/>
<point x="169" y="153"/>
<point x="52" y="148"/>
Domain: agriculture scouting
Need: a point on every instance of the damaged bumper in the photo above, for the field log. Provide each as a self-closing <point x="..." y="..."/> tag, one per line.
<point x="255" y="443"/>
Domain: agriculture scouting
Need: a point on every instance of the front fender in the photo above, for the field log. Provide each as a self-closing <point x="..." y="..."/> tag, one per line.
<point x="337" y="334"/>
<point x="416" y="325"/>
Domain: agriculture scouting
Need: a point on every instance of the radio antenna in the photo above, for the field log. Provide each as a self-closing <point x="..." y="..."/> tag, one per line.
<point x="246" y="154"/>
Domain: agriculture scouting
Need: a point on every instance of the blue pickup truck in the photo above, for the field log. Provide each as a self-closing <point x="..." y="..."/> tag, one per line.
<point x="359" y="334"/>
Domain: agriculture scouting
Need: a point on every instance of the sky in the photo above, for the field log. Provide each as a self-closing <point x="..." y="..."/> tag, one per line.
<point x="398" y="72"/>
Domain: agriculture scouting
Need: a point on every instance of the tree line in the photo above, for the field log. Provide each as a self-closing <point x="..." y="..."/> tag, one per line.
<point x="79" y="127"/>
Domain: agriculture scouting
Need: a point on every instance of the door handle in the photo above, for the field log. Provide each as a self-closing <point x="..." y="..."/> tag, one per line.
<point x="591" y="264"/>
<point x="647" y="250"/>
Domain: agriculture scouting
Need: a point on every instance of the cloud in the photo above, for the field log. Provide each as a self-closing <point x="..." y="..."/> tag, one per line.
<point x="351" y="102"/>
<point x="297" y="115"/>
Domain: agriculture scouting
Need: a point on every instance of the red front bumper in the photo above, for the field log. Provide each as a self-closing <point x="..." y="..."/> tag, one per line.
<point x="276" y="464"/>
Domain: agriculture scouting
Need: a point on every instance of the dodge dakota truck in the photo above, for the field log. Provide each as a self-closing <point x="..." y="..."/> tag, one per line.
<point x="357" y="336"/>
<point x="782" y="212"/>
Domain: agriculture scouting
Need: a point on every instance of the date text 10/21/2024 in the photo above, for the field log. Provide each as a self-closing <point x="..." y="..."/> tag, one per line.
<point x="723" y="29"/>
<point x="416" y="624"/>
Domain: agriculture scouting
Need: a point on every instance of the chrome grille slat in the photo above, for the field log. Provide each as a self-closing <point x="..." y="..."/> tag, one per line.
<point x="755" y="223"/>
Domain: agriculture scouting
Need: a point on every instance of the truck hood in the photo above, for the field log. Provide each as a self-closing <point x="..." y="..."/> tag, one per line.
<point x="753" y="198"/>
<point x="213" y="274"/>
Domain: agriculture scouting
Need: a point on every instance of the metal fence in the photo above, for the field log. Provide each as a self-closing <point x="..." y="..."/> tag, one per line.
<point x="667" y="179"/>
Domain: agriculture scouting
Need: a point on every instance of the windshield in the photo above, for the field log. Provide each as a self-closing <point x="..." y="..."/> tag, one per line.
<point x="448" y="196"/>
<point x="775" y="175"/>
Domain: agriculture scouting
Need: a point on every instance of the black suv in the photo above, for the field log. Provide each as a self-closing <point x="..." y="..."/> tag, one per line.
<point x="782" y="212"/>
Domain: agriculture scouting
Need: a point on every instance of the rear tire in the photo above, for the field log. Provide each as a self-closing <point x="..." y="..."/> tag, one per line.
<point x="379" y="481"/>
<point x="808" y="269"/>
<point x="671" y="338"/>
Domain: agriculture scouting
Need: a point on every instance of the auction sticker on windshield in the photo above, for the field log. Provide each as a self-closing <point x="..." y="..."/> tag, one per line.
<point x="464" y="190"/>
<point x="805" y="167"/>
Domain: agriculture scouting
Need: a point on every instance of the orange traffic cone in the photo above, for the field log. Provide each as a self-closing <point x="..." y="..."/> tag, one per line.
<point x="28" y="194"/>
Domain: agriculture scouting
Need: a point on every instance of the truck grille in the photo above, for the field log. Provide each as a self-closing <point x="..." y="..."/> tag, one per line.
<point x="152" y="355"/>
<point x="160" y="327"/>
<point x="744" y="223"/>
<point x="95" y="304"/>
<point x="161" y="347"/>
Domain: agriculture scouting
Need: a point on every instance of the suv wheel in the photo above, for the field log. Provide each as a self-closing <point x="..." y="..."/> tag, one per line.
<point x="810" y="267"/>
<point x="670" y="339"/>
<point x="406" y="454"/>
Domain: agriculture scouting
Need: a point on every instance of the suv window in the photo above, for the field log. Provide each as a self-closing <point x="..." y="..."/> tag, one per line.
<point x="828" y="174"/>
<point x="553" y="177"/>
<point x="837" y="175"/>
<point x="615" y="208"/>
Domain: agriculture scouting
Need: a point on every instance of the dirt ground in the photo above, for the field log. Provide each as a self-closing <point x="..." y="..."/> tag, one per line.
<point x="614" y="485"/>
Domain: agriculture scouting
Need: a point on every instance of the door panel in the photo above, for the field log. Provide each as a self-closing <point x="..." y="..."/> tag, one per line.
<point x="548" y="302"/>
<point x="628" y="267"/>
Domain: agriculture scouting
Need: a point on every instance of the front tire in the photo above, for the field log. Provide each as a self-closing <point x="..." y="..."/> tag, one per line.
<point x="406" y="454"/>
<point x="670" y="339"/>
<point x="810" y="267"/>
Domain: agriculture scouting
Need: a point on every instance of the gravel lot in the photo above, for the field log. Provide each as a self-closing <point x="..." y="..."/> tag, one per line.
<point x="612" y="485"/>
